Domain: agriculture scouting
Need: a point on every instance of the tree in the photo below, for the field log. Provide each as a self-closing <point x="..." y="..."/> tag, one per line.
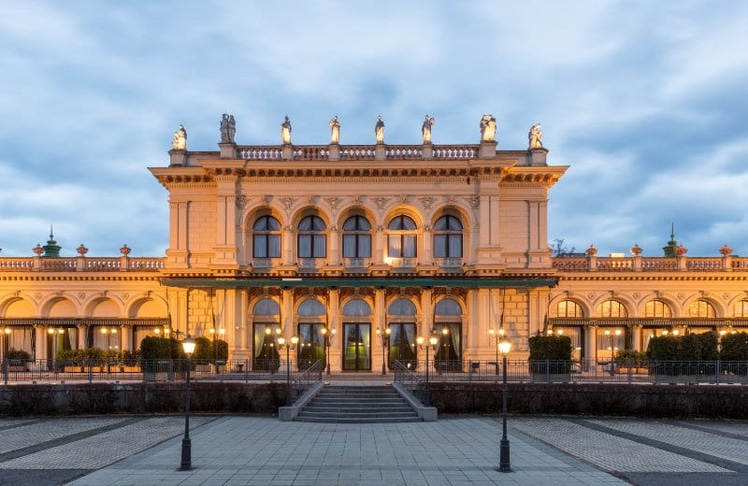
<point x="559" y="250"/>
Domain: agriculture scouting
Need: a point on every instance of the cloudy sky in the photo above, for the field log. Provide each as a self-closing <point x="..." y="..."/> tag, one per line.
<point x="645" y="101"/>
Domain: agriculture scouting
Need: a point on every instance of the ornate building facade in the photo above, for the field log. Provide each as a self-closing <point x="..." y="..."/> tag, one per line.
<point x="358" y="250"/>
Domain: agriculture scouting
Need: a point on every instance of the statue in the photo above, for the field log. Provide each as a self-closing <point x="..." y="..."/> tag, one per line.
<point x="379" y="129"/>
<point x="232" y="128"/>
<point x="426" y="129"/>
<point x="286" y="131"/>
<point x="225" y="128"/>
<point x="334" y="130"/>
<point x="536" y="137"/>
<point x="179" y="142"/>
<point x="488" y="128"/>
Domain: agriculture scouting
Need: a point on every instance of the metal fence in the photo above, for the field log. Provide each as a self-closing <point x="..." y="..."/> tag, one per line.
<point x="297" y="372"/>
<point x="550" y="371"/>
<point x="47" y="370"/>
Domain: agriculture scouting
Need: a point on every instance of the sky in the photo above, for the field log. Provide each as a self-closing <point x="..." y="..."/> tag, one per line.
<point x="646" y="102"/>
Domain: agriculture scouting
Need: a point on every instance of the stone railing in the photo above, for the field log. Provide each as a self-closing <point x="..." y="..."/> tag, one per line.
<point x="358" y="152"/>
<point x="651" y="264"/>
<point x="81" y="264"/>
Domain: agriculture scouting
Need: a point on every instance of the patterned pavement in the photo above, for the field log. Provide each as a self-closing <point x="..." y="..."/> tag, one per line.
<point x="122" y="450"/>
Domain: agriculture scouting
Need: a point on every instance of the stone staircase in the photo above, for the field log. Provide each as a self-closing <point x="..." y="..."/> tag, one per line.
<point x="357" y="404"/>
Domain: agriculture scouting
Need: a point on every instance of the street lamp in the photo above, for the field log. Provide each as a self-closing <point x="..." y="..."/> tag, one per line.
<point x="188" y="346"/>
<point x="385" y="345"/>
<point x="433" y="340"/>
<point x="108" y="333"/>
<point x="213" y="332"/>
<point x="492" y="334"/>
<point x="288" y="347"/>
<point x="328" y="338"/>
<point x="504" y="462"/>
<point x="53" y="333"/>
<point x="6" y="332"/>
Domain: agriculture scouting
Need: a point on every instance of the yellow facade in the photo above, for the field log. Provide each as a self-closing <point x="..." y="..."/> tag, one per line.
<point x="336" y="244"/>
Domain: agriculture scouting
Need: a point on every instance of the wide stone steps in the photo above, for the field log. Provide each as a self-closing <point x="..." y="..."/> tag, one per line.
<point x="357" y="404"/>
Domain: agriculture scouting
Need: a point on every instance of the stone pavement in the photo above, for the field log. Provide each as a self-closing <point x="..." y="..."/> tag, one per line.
<point x="242" y="450"/>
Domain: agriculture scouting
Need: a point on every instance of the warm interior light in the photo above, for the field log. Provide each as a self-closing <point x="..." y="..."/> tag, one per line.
<point x="433" y="340"/>
<point x="294" y="340"/>
<point x="6" y="330"/>
<point x="419" y="340"/>
<point x="281" y="341"/>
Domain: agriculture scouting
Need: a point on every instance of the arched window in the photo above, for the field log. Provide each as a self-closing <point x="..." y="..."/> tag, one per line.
<point x="356" y="238"/>
<point x="741" y="309"/>
<point x="568" y="308"/>
<point x="701" y="308"/>
<point x="312" y="329"/>
<point x="312" y="238"/>
<point x="402" y="342"/>
<point x="266" y="324"/>
<point x="448" y="237"/>
<point x="657" y="308"/>
<point x="611" y="308"/>
<point x="448" y="328"/>
<point x="356" y="308"/>
<point x="266" y="238"/>
<point x="401" y="237"/>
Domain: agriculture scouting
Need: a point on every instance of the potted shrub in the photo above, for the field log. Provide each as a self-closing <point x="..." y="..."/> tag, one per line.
<point x="734" y="353"/>
<point x="18" y="359"/>
<point x="683" y="359"/>
<point x="550" y="358"/>
<point x="630" y="360"/>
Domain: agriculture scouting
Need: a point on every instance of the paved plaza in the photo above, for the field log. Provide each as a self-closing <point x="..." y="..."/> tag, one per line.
<point x="241" y="450"/>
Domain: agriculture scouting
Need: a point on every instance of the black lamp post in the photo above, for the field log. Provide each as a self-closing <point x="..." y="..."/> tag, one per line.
<point x="385" y="346"/>
<point x="213" y="332"/>
<point x="188" y="345"/>
<point x="504" y="461"/>
<point x="327" y="334"/>
<point x="433" y="340"/>
<point x="282" y="344"/>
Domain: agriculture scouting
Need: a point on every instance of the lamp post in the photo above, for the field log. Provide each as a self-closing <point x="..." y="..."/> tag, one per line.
<point x="433" y="340"/>
<point x="3" y="365"/>
<point x="188" y="346"/>
<point x="327" y="335"/>
<point x="108" y="333"/>
<point x="54" y="333"/>
<point x="504" y="461"/>
<point x="385" y="345"/>
<point x="282" y="344"/>
<point x="213" y="332"/>
<point x="496" y="337"/>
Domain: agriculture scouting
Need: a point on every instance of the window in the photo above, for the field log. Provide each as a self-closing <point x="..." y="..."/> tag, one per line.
<point x="266" y="239"/>
<point x="312" y="238"/>
<point x="568" y="308"/>
<point x="657" y="308"/>
<point x="741" y="309"/>
<point x="611" y="308"/>
<point x="448" y="237"/>
<point x="401" y="238"/>
<point x="356" y="238"/>
<point x="701" y="308"/>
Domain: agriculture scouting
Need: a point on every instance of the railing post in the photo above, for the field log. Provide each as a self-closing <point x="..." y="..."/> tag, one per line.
<point x="629" y="378"/>
<point x="547" y="371"/>
<point x="246" y="370"/>
<point x="90" y="371"/>
<point x="717" y="371"/>
<point x="6" y="369"/>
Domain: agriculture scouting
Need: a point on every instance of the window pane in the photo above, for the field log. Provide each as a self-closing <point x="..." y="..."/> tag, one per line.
<point x="393" y="246"/>
<point x="349" y="246"/>
<point x="259" y="248"/>
<point x="455" y="246"/>
<point x="274" y="246"/>
<point x="319" y="246"/>
<point x="440" y="246"/>
<point x="305" y="246"/>
<point x="409" y="246"/>
<point x="364" y="246"/>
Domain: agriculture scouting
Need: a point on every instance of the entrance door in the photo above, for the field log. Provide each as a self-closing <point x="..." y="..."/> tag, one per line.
<point x="311" y="345"/>
<point x="356" y="347"/>
<point x="403" y="345"/>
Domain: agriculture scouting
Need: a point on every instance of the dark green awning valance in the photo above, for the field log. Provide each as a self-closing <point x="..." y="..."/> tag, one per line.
<point x="422" y="282"/>
<point x="653" y="322"/>
<point x="84" y="321"/>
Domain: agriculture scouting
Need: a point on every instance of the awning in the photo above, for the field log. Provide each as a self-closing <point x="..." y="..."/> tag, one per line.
<point x="649" y="322"/>
<point x="86" y="321"/>
<point x="392" y="281"/>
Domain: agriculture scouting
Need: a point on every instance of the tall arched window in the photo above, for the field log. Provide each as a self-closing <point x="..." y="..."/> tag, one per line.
<point x="401" y="319"/>
<point x="741" y="309"/>
<point x="312" y="318"/>
<point x="266" y="324"/>
<point x="448" y="327"/>
<point x="356" y="237"/>
<point x="266" y="238"/>
<point x="401" y="237"/>
<point x="448" y="237"/>
<point x="312" y="238"/>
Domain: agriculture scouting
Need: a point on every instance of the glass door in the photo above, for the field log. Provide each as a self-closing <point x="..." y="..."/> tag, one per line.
<point x="311" y="345"/>
<point x="356" y="347"/>
<point x="402" y="345"/>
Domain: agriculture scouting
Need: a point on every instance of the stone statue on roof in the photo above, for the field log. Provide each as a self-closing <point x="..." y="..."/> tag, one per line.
<point x="334" y="130"/>
<point x="426" y="128"/>
<point x="225" y="128"/>
<point x="488" y="128"/>
<point x="179" y="142"/>
<point x="535" y="136"/>
<point x="379" y="129"/>
<point x="286" y="131"/>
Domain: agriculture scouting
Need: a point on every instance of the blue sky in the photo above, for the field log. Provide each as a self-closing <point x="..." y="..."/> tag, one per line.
<point x="647" y="102"/>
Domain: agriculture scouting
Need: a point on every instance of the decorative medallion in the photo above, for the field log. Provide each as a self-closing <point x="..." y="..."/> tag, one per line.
<point x="288" y="202"/>
<point x="334" y="201"/>
<point x="381" y="202"/>
<point x="427" y="202"/>
<point x="473" y="201"/>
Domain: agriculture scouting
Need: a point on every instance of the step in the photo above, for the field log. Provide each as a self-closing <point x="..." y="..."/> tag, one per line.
<point x="357" y="404"/>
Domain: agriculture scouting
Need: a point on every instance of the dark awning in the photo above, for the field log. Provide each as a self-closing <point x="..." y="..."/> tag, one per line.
<point x="392" y="281"/>
<point x="87" y="321"/>
<point x="649" y="322"/>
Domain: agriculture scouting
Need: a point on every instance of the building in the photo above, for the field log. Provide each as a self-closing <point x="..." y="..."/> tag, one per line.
<point x="359" y="250"/>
